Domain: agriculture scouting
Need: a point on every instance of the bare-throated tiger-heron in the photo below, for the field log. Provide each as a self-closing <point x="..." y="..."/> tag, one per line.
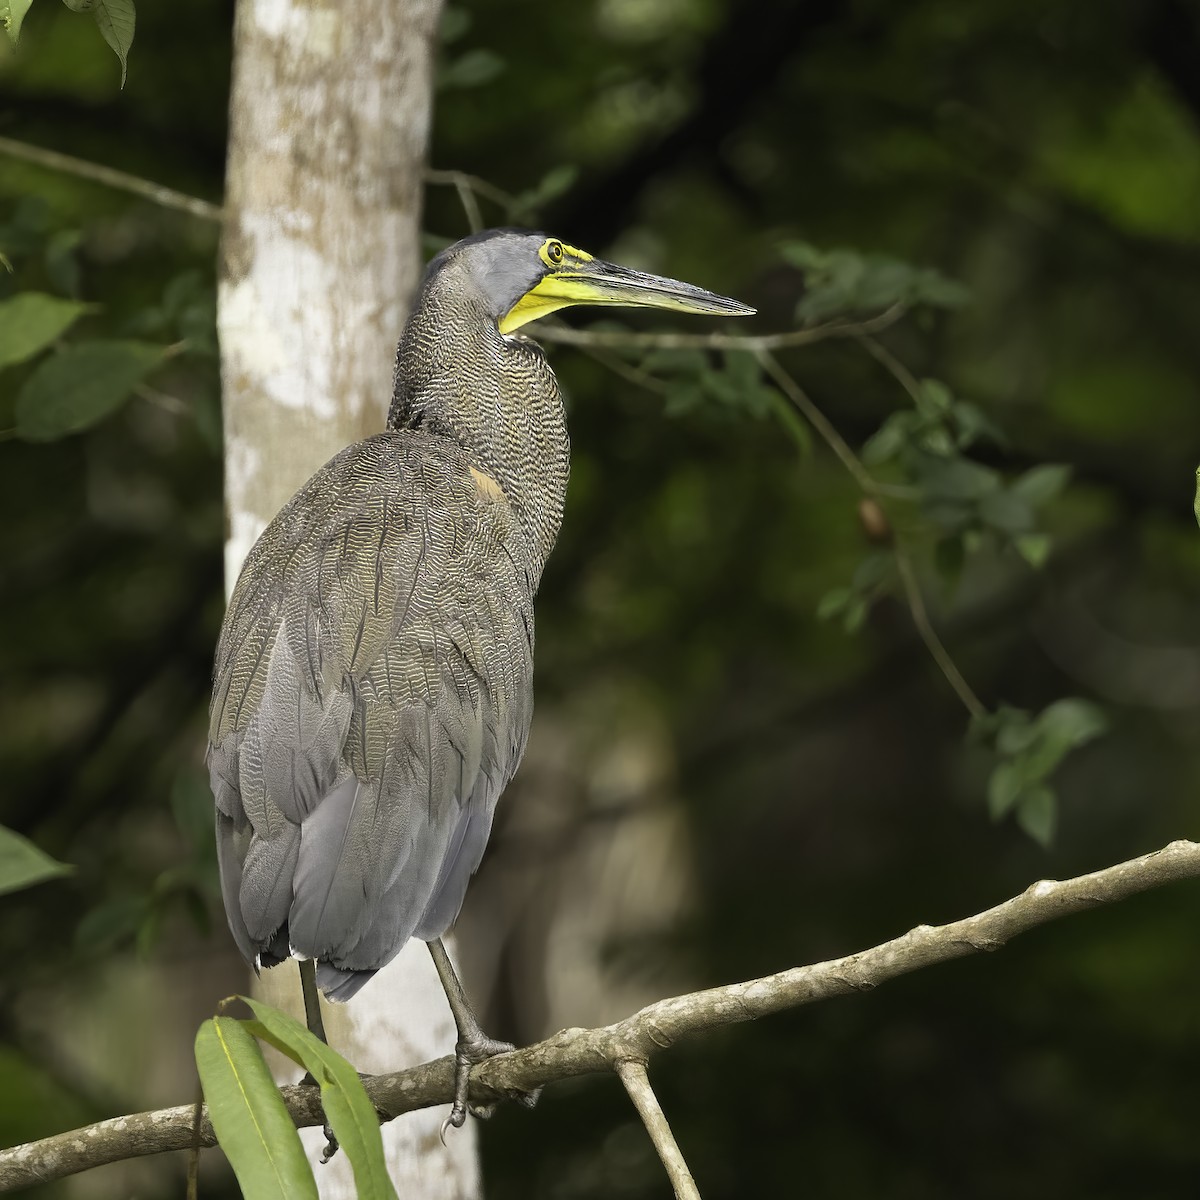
<point x="373" y="685"/>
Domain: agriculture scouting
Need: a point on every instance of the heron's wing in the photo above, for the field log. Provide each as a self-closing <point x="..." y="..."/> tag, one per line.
<point x="372" y="698"/>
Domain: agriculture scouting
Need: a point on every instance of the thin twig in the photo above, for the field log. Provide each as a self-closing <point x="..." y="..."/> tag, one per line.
<point x="165" y="197"/>
<point x="468" y="186"/>
<point x="899" y="372"/>
<point x="933" y="643"/>
<point x="819" y="421"/>
<point x="636" y="1079"/>
<point x="474" y="184"/>
<point x="748" y="342"/>
<point x="574" y="1052"/>
<point x="872" y="487"/>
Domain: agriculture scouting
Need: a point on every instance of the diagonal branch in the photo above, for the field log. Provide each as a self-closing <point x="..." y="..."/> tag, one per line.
<point x="636" y="1079"/>
<point x="573" y="1052"/>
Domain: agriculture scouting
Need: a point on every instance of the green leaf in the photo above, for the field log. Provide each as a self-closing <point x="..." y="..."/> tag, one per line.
<point x="248" y="1115"/>
<point x="956" y="479"/>
<point x="82" y="385"/>
<point x="31" y="321"/>
<point x="1034" y="548"/>
<point x="833" y="602"/>
<point x="116" y="20"/>
<point x="973" y="425"/>
<point x="1042" y="483"/>
<point x="350" y="1113"/>
<point x="1073" y="721"/>
<point x="855" y="615"/>
<point x="22" y="864"/>
<point x="1037" y="814"/>
<point x="1006" y="510"/>
<point x="12" y="13"/>
<point x="1004" y="787"/>
<point x="473" y="69"/>
<point x="1015" y="731"/>
<point x="933" y="398"/>
<point x="889" y="439"/>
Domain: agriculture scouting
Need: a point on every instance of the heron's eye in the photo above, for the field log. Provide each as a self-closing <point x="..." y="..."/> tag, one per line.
<point x="554" y="252"/>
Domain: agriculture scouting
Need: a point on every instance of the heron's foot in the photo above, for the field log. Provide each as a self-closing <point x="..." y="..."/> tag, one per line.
<point x="469" y="1053"/>
<point x="331" y="1142"/>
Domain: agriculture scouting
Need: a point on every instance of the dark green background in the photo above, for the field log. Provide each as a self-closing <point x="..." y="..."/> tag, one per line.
<point x="1046" y="154"/>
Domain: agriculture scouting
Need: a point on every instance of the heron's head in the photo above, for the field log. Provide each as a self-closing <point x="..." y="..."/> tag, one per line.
<point x="521" y="276"/>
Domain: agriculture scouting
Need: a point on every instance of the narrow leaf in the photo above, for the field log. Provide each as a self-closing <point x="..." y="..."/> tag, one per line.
<point x="31" y="321"/>
<point x="22" y="864"/>
<point x="115" y="19"/>
<point x="12" y="13"/>
<point x="349" y="1112"/>
<point x="249" y="1116"/>
<point x="82" y="385"/>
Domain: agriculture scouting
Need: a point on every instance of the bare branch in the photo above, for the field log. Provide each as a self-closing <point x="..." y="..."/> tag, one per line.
<point x="165" y="197"/>
<point x="636" y="1079"/>
<point x="575" y="1052"/>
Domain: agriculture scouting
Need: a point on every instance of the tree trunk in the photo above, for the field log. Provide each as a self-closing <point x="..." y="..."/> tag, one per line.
<point x="329" y="124"/>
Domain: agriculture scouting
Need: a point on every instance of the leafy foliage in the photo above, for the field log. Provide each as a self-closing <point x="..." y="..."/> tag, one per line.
<point x="22" y="864"/>
<point x="249" y="1117"/>
<point x="248" y="1114"/>
<point x="116" y="20"/>
<point x="85" y="383"/>
<point x="846" y="282"/>
<point x="32" y="321"/>
<point x="1030" y="748"/>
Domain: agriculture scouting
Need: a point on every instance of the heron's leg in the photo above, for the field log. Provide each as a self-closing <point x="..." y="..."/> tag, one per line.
<point x="474" y="1046"/>
<point x="316" y="1026"/>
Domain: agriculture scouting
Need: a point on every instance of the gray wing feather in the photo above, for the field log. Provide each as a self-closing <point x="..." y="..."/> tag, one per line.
<point x="372" y="698"/>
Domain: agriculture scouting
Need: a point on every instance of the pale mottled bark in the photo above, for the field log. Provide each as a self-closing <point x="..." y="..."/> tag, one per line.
<point x="329" y="122"/>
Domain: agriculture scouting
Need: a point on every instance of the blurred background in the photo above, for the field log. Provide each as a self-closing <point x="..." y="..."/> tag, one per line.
<point x="720" y="782"/>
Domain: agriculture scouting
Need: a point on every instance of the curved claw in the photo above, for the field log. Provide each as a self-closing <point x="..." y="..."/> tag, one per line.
<point x="331" y="1144"/>
<point x="467" y="1054"/>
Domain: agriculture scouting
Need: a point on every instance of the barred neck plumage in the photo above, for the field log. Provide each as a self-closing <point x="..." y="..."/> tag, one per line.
<point x="458" y="377"/>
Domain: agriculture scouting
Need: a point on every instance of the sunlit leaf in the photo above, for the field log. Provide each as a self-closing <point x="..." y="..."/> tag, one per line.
<point x="31" y="321"/>
<point x="82" y="385"/>
<point x="347" y="1108"/>
<point x="12" y="13"/>
<point x="248" y="1115"/>
<point x="22" y="864"/>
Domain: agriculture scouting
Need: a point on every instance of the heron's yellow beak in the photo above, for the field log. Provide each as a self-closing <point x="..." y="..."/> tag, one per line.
<point x="582" y="279"/>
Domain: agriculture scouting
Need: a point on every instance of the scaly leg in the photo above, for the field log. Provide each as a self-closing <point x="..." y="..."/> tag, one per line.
<point x="316" y="1026"/>
<point x="474" y="1046"/>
